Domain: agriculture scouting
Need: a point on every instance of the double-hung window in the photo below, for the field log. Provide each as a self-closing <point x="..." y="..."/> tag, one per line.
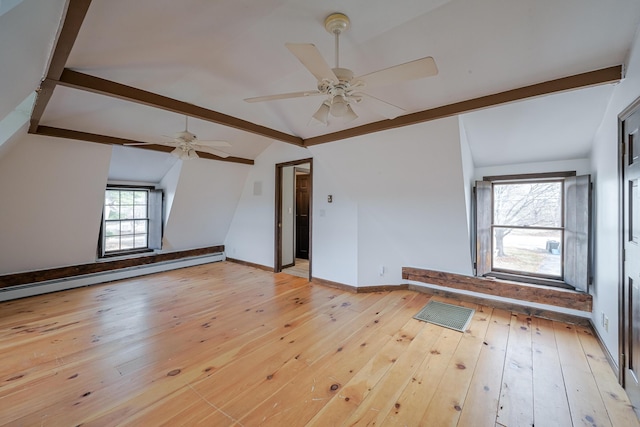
<point x="534" y="228"/>
<point x="132" y="220"/>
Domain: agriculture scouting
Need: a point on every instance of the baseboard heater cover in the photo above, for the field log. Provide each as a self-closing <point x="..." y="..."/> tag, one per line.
<point x="32" y="289"/>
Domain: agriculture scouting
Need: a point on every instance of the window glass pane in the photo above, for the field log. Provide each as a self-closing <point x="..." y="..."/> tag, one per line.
<point x="126" y="197"/>
<point x="140" y="211"/>
<point x="112" y="212"/>
<point x="126" y="212"/>
<point x="126" y="227"/>
<point x="112" y="243"/>
<point x="140" y="227"/>
<point x="534" y="204"/>
<point x="140" y="241"/>
<point x="112" y="228"/>
<point x="140" y="198"/>
<point x="126" y="242"/>
<point x="112" y="197"/>
<point x="530" y="251"/>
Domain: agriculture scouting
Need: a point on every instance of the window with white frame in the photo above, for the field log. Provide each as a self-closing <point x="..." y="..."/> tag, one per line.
<point x="132" y="220"/>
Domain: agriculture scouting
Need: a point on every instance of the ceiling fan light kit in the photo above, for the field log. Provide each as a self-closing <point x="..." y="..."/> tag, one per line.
<point x="186" y="144"/>
<point x="341" y="88"/>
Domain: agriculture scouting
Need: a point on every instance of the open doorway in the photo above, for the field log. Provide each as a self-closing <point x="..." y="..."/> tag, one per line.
<point x="293" y="218"/>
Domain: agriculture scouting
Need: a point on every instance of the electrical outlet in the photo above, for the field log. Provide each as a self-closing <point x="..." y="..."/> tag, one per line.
<point x="606" y="324"/>
<point x="382" y="270"/>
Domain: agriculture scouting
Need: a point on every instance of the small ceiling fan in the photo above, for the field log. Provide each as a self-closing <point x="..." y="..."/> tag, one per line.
<point x="339" y="85"/>
<point x="187" y="144"/>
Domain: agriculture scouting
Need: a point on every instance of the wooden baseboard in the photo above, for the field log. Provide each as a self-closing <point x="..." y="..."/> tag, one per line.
<point x="515" y="308"/>
<point x="250" y="264"/>
<point x="359" y="289"/>
<point x="29" y="277"/>
<point x="337" y="285"/>
<point x="514" y="290"/>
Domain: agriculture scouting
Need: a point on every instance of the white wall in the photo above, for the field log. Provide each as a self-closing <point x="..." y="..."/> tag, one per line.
<point x="204" y="203"/>
<point x="27" y="33"/>
<point x="251" y="234"/>
<point x="404" y="205"/>
<point x="52" y="193"/>
<point x="605" y="175"/>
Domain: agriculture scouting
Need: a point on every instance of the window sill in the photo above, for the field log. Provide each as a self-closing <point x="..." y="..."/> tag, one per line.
<point x="529" y="280"/>
<point x="540" y="294"/>
<point x="126" y="255"/>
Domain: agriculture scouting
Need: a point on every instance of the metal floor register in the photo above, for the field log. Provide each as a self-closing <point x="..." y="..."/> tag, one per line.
<point x="446" y="315"/>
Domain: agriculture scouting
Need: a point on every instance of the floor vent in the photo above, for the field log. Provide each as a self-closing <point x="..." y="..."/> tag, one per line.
<point x="446" y="315"/>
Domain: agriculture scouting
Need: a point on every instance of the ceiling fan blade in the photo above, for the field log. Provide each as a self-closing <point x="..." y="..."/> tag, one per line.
<point x="213" y="143"/>
<point x="418" y="69"/>
<point x="379" y="106"/>
<point x="311" y="58"/>
<point x="206" y="149"/>
<point x="284" y="96"/>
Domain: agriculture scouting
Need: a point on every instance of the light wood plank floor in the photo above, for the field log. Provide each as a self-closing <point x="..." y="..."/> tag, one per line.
<point x="300" y="269"/>
<point x="224" y="344"/>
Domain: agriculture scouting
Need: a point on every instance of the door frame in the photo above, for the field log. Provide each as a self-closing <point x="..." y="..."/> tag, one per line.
<point x="622" y="311"/>
<point x="277" y="262"/>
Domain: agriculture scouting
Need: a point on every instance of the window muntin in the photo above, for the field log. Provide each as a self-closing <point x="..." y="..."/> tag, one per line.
<point x="527" y="228"/>
<point x="126" y="220"/>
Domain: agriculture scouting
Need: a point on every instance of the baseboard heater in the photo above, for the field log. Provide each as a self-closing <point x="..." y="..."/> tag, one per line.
<point x="38" y="288"/>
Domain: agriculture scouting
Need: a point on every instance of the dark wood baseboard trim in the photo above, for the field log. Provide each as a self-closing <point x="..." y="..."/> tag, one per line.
<point x="516" y="308"/>
<point x="251" y="264"/>
<point x="359" y="289"/>
<point x="381" y="288"/>
<point x="28" y="277"/>
<point x="521" y="291"/>
<point x="613" y="362"/>
<point x="337" y="285"/>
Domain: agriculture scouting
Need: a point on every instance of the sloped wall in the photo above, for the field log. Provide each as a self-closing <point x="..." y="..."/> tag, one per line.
<point x="52" y="193"/>
<point x="203" y="204"/>
<point x="27" y="33"/>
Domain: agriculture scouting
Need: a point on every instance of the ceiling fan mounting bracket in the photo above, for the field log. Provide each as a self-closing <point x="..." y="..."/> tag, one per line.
<point x="337" y="23"/>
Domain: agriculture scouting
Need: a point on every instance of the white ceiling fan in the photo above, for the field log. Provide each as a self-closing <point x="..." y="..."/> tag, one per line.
<point x="187" y="144"/>
<point x="339" y="85"/>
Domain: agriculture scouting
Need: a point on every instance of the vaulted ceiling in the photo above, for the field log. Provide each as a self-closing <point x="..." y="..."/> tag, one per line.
<point x="203" y="58"/>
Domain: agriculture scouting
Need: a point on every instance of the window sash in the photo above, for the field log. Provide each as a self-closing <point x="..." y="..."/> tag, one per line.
<point x="146" y="224"/>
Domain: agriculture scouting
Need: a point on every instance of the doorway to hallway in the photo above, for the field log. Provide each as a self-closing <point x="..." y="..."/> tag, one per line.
<point x="293" y="218"/>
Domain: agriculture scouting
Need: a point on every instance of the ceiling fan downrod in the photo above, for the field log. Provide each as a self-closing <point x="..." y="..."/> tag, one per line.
<point x="335" y="24"/>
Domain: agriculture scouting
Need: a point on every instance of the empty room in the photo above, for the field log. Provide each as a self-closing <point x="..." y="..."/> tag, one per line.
<point x="322" y="213"/>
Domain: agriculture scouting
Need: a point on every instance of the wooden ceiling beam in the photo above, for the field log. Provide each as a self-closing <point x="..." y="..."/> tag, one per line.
<point x="76" y="12"/>
<point x="78" y="80"/>
<point x="111" y="140"/>
<point x="592" y="78"/>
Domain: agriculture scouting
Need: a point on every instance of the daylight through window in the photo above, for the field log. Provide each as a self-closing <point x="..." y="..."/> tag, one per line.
<point x="527" y="228"/>
<point x="126" y="220"/>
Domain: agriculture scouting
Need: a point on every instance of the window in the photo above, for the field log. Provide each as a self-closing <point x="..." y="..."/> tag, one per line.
<point x="534" y="228"/>
<point x="132" y="220"/>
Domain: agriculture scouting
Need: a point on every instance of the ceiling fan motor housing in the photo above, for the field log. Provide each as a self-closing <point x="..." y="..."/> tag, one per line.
<point x="336" y="23"/>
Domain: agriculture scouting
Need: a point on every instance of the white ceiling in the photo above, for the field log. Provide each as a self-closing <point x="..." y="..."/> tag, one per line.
<point x="216" y="53"/>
